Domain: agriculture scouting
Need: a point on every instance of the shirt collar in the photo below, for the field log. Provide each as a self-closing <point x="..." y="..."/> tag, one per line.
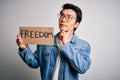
<point x="74" y="38"/>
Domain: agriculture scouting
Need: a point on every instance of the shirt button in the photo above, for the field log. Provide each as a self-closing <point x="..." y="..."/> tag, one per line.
<point x="53" y="65"/>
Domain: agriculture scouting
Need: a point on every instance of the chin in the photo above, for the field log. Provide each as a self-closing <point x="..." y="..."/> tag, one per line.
<point x="63" y="29"/>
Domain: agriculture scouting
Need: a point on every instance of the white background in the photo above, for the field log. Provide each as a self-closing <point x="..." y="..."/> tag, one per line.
<point x="100" y="27"/>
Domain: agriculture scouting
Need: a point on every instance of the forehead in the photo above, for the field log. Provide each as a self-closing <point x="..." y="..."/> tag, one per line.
<point x="69" y="11"/>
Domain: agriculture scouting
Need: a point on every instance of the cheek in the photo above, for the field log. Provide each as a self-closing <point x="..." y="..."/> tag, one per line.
<point x="71" y="26"/>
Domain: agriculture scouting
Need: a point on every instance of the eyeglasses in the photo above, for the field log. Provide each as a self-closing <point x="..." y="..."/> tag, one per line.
<point x="68" y="17"/>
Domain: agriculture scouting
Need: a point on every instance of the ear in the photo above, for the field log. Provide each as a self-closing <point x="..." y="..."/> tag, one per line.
<point x="77" y="24"/>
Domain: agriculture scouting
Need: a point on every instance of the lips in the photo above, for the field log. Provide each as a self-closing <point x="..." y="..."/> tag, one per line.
<point x="61" y="24"/>
<point x="63" y="27"/>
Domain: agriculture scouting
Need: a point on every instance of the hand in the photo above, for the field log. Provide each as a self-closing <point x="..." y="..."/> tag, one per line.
<point x="65" y="36"/>
<point x="20" y="43"/>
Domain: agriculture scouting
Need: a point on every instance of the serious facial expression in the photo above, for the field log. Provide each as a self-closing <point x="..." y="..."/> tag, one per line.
<point x="67" y="20"/>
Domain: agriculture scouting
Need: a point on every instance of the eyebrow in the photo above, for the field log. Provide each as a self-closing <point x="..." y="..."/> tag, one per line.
<point x="66" y="14"/>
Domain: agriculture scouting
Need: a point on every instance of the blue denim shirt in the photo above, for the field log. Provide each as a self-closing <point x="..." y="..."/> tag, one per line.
<point x="74" y="59"/>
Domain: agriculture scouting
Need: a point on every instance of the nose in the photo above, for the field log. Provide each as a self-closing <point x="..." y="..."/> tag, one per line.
<point x="63" y="19"/>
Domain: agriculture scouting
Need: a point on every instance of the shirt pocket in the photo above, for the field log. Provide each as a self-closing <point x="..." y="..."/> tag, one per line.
<point x="46" y="51"/>
<point x="78" y="49"/>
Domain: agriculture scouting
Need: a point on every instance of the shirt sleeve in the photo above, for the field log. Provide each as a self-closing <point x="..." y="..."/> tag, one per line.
<point x="77" y="55"/>
<point x="31" y="59"/>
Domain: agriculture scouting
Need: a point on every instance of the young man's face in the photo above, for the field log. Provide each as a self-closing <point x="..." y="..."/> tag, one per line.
<point x="67" y="20"/>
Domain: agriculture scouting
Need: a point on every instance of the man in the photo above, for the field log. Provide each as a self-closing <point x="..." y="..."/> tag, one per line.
<point x="67" y="57"/>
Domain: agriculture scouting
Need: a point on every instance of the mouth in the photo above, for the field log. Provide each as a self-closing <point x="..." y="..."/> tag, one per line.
<point x="61" y="24"/>
<point x="63" y="27"/>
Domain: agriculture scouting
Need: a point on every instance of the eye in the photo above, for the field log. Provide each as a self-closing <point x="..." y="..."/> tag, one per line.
<point x="69" y="16"/>
<point x="61" y="15"/>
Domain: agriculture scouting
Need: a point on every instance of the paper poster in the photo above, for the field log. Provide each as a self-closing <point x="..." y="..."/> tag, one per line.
<point x="37" y="35"/>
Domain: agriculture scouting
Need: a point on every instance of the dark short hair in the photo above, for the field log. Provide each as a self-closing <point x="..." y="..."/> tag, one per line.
<point x="74" y="8"/>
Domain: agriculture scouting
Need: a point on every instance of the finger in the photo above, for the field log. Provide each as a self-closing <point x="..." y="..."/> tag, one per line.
<point x="19" y="37"/>
<point x="19" y="40"/>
